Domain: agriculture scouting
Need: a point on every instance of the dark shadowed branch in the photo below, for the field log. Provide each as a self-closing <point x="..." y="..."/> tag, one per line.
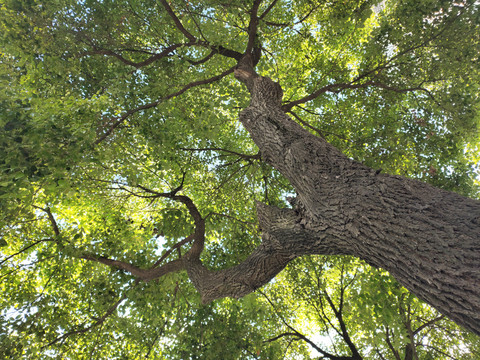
<point x="252" y="26"/>
<point x="390" y="345"/>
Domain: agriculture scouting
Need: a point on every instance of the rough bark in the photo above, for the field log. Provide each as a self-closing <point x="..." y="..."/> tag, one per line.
<point x="427" y="238"/>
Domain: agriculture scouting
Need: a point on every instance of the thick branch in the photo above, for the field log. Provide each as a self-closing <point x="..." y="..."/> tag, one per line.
<point x="51" y="218"/>
<point x="252" y="26"/>
<point x="284" y="239"/>
<point x="177" y="21"/>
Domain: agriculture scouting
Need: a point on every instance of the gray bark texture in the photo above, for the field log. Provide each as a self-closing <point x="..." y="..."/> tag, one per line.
<point x="427" y="238"/>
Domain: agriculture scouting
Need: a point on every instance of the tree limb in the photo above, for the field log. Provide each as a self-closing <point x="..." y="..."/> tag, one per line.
<point x="390" y="345"/>
<point x="99" y="321"/>
<point x="140" y="64"/>
<point x="51" y="218"/>
<point x="119" y="120"/>
<point x="176" y="246"/>
<point x="24" y="249"/>
<point x="243" y="156"/>
<point x="268" y="9"/>
<point x="252" y="26"/>
<point x="338" y="314"/>
<point x="299" y="335"/>
<point x="177" y="21"/>
<point x="427" y="324"/>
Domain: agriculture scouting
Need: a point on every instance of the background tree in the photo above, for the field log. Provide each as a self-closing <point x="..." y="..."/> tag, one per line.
<point x="123" y="162"/>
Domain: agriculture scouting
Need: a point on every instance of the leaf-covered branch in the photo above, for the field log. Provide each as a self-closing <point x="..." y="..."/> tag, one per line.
<point x="155" y="57"/>
<point x="25" y="249"/>
<point x="243" y="156"/>
<point x="117" y="121"/>
<point x="177" y="21"/>
<point x="298" y="335"/>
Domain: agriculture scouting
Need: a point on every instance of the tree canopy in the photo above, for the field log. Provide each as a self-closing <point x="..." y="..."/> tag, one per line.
<point x="122" y="154"/>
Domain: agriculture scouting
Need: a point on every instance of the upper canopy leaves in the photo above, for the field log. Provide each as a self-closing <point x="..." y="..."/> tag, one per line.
<point x="107" y="104"/>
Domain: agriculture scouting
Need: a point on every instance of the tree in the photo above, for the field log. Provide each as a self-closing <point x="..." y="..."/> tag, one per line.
<point x="125" y="171"/>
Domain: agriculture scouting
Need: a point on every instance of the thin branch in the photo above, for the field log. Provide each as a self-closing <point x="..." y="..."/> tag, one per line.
<point x="304" y="123"/>
<point x="204" y="60"/>
<point x="375" y="72"/>
<point x="140" y="64"/>
<point x="439" y="351"/>
<point x="194" y="21"/>
<point x="140" y="274"/>
<point x="134" y="270"/>
<point x="390" y="345"/>
<point x="300" y="335"/>
<point x="336" y="88"/>
<point x="179" y="244"/>
<point x="162" y="330"/>
<point x="427" y="324"/>
<point x="243" y="156"/>
<point x="99" y="321"/>
<point x="231" y="217"/>
<point x="24" y="249"/>
<point x="121" y="119"/>
<point x="280" y="336"/>
<point x="308" y="14"/>
<point x="302" y="19"/>
<point x="343" y="327"/>
<point x="328" y="88"/>
<point x="380" y="354"/>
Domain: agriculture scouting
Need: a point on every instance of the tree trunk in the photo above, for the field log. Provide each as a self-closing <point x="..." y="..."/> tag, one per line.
<point x="427" y="238"/>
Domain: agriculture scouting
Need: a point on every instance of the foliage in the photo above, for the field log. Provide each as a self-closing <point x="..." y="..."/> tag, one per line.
<point x="114" y="113"/>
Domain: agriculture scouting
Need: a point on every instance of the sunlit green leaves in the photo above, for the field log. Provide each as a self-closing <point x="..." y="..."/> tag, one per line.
<point x="91" y="116"/>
